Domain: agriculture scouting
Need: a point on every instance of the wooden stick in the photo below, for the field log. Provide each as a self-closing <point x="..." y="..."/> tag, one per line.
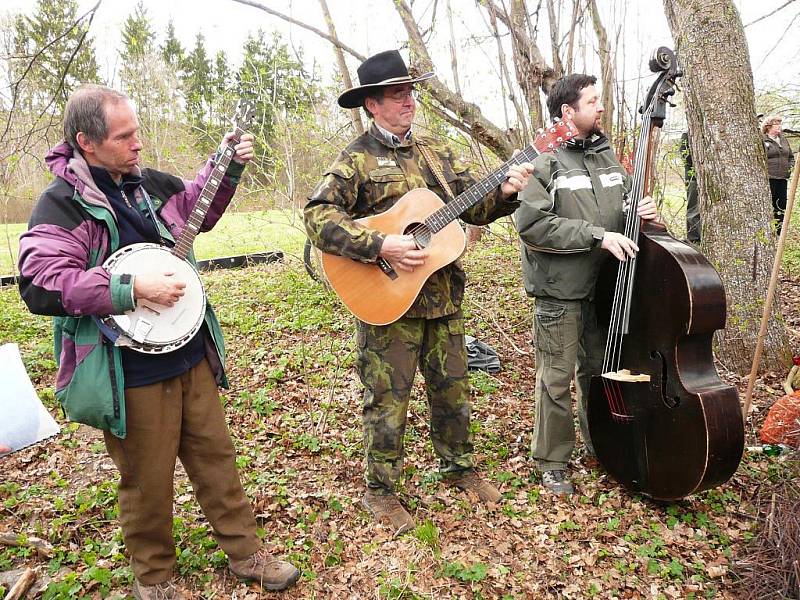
<point x="43" y="548"/>
<point x="23" y="584"/>
<point x="773" y="282"/>
<point x="771" y="517"/>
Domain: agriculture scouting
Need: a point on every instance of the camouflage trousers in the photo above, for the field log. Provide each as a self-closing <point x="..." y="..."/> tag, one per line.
<point x="387" y="361"/>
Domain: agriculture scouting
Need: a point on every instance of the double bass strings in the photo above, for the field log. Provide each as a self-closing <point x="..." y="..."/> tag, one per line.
<point x="623" y="290"/>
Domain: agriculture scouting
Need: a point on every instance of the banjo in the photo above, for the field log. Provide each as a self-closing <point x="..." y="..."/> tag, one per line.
<point x="153" y="328"/>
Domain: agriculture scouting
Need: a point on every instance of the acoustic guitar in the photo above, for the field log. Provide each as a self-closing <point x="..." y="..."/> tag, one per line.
<point x="378" y="294"/>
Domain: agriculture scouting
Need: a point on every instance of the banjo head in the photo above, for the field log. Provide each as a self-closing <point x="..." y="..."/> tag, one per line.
<point x="154" y="328"/>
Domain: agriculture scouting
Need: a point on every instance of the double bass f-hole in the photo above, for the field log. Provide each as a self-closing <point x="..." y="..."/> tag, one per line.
<point x="670" y="402"/>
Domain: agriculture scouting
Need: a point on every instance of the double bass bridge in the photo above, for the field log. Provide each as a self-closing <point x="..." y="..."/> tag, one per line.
<point x="614" y="396"/>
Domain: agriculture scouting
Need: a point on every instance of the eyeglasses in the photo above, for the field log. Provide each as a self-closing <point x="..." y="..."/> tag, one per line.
<point x="401" y="96"/>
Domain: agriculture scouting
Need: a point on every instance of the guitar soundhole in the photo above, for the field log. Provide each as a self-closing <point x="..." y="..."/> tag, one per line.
<point x="421" y="233"/>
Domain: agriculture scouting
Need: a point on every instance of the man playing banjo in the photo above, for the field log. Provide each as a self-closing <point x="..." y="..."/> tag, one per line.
<point x="153" y="408"/>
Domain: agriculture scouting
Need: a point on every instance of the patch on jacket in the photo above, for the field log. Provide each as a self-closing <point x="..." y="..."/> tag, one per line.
<point x="385" y="161"/>
<point x="611" y="179"/>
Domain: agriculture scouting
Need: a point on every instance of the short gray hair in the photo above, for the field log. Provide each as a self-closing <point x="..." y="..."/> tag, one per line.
<point x="85" y="112"/>
<point x="769" y="121"/>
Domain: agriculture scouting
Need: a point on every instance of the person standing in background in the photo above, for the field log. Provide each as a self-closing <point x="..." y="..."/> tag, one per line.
<point x="693" y="222"/>
<point x="780" y="161"/>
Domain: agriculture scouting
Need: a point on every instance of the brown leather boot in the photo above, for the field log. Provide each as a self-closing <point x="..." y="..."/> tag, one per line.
<point x="166" y="590"/>
<point x="387" y="508"/>
<point x="470" y="481"/>
<point x="269" y="572"/>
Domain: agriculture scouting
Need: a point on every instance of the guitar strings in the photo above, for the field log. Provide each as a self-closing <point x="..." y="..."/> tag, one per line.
<point x="462" y="202"/>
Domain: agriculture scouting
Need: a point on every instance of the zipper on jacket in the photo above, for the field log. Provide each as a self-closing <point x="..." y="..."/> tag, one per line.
<point x="113" y="373"/>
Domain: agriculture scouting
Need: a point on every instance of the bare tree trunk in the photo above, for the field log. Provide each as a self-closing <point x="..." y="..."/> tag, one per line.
<point x="576" y="16"/>
<point x="555" y="43"/>
<point x="506" y="77"/>
<point x="355" y="115"/>
<point x="453" y="55"/>
<point x="527" y="60"/>
<point x="606" y="68"/>
<point x="483" y="130"/>
<point x="731" y="172"/>
<point x="532" y="72"/>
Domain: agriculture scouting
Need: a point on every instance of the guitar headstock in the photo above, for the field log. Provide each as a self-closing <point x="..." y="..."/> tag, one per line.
<point x="243" y="117"/>
<point x="550" y="138"/>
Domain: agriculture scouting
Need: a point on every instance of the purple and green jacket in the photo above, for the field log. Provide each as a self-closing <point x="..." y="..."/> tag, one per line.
<point x="71" y="232"/>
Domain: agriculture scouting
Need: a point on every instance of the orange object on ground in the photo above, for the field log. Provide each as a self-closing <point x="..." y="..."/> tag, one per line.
<point x="782" y="425"/>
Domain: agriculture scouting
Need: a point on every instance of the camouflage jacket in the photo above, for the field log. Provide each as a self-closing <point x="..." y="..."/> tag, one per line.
<point x="367" y="178"/>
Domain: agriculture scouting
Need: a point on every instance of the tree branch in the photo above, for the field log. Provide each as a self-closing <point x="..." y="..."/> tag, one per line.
<point x="781" y="7"/>
<point x="333" y="40"/>
<point x="483" y="131"/>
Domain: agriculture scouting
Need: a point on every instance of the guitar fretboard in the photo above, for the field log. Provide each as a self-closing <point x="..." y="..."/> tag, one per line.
<point x="184" y="244"/>
<point x="466" y="200"/>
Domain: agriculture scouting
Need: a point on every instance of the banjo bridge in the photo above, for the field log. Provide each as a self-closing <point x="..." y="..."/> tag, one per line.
<point x="151" y="309"/>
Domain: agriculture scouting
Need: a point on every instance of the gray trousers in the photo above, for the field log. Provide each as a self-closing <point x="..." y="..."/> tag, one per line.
<point x="568" y="343"/>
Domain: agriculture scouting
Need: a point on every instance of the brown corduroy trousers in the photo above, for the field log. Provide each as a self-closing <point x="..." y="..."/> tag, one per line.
<point x="181" y="418"/>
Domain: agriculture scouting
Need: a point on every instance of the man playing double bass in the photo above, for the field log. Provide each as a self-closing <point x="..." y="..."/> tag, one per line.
<point x="570" y="216"/>
<point x="367" y="178"/>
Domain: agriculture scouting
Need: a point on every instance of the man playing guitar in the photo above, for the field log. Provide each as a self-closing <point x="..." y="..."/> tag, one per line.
<point x="368" y="178"/>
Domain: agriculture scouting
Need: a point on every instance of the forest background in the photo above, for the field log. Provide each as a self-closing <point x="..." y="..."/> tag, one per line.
<point x="185" y="65"/>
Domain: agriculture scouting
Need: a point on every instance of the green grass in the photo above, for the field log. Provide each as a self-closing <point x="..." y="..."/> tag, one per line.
<point x="236" y="233"/>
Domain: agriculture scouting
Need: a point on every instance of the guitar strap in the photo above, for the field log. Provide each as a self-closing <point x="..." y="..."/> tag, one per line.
<point x="436" y="168"/>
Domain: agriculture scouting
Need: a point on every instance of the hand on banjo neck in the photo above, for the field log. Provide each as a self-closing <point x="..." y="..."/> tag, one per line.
<point x="162" y="288"/>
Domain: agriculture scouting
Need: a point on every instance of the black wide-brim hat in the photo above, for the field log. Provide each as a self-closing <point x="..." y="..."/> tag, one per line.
<point x="380" y="70"/>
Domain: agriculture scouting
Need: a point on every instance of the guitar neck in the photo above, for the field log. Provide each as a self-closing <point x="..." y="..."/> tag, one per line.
<point x="469" y="198"/>
<point x="184" y="244"/>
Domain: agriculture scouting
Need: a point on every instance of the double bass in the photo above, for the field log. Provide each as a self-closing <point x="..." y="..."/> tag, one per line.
<point x="661" y="421"/>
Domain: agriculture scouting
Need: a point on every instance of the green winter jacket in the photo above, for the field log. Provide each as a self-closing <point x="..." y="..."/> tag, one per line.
<point x="572" y="198"/>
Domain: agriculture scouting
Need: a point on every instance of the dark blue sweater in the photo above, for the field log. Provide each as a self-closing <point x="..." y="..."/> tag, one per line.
<point x="135" y="227"/>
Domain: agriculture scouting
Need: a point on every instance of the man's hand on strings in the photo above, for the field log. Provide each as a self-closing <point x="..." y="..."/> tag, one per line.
<point x="619" y="245"/>
<point x="647" y="209"/>
<point x="516" y="178"/>
<point x="161" y="288"/>
<point x="402" y="252"/>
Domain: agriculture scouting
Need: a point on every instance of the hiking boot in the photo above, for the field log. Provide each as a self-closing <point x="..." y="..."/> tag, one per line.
<point x="470" y="481"/>
<point x="387" y="508"/>
<point x="557" y="482"/>
<point x="269" y="572"/>
<point x="160" y="591"/>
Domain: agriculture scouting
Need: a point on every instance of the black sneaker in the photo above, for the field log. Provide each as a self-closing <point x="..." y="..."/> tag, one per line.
<point x="557" y="482"/>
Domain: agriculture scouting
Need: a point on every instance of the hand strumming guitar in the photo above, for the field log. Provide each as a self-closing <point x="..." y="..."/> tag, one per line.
<point x="402" y="253"/>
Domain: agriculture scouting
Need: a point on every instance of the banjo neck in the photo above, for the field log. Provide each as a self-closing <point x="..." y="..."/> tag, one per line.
<point x="184" y="244"/>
